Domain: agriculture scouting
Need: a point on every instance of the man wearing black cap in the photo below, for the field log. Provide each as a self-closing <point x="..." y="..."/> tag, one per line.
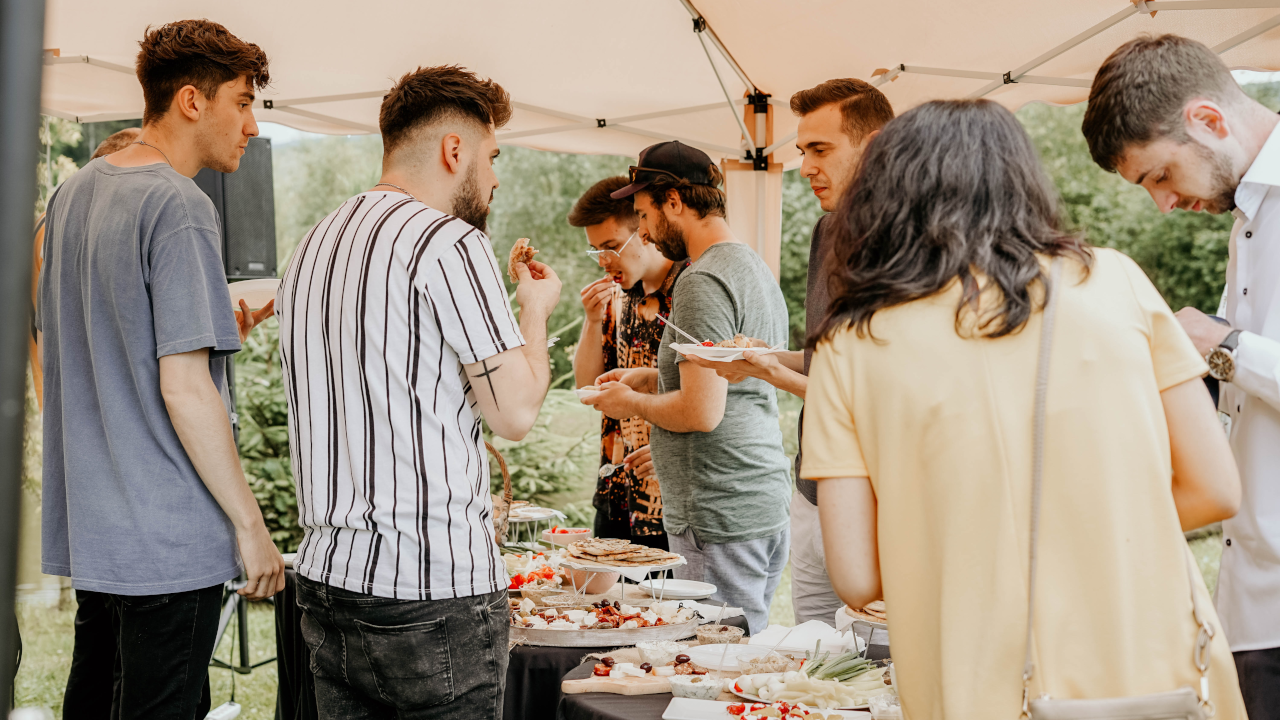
<point x="717" y="448"/>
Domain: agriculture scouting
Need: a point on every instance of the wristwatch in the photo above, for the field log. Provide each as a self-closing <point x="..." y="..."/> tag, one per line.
<point x="1222" y="359"/>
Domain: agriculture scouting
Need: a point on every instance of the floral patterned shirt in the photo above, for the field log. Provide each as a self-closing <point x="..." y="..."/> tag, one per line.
<point x="632" y="342"/>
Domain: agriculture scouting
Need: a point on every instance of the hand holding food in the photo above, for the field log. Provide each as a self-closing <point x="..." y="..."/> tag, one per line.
<point x="642" y="380"/>
<point x="521" y="252"/>
<point x="596" y="297"/>
<point x="614" y="400"/>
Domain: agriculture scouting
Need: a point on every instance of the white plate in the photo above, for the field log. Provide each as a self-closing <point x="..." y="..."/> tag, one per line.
<point x="690" y="709"/>
<point x="532" y="513"/>
<point x="256" y="293"/>
<point x="289" y="558"/>
<point x="672" y="589"/>
<point x="753" y="698"/>
<point x="708" y="656"/>
<point x="717" y="354"/>
<point x="586" y="392"/>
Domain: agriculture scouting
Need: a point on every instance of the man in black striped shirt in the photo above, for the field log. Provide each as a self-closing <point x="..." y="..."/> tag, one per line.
<point x="396" y="336"/>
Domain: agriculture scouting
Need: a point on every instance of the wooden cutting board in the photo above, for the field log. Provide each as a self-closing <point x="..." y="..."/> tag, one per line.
<point x="648" y="685"/>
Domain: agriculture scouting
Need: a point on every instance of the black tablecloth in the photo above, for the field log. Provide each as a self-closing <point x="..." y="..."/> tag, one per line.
<point x="534" y="675"/>
<point x="607" y="706"/>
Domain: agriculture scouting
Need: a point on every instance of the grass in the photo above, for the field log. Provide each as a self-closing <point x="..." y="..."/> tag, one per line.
<point x="48" y="634"/>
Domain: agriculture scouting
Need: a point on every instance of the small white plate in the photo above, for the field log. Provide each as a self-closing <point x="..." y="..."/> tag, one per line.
<point x="672" y="589"/>
<point x="586" y="392"/>
<point x="256" y="293"/>
<point x="289" y="558"/>
<point x="708" y="656"/>
<point x="531" y="513"/>
<point x="717" y="354"/>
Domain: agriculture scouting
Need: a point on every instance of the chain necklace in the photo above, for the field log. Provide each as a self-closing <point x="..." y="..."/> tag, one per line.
<point x="406" y="192"/>
<point x="153" y="147"/>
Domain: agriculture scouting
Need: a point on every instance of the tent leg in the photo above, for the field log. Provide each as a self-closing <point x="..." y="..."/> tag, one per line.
<point x="21" y="36"/>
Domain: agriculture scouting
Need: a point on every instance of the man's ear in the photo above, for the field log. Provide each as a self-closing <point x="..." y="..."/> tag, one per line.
<point x="866" y="139"/>
<point x="1205" y="119"/>
<point x="673" y="203"/>
<point x="189" y="102"/>
<point x="451" y="148"/>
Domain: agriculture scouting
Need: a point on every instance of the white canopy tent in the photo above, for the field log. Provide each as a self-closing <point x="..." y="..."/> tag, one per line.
<point x="608" y="76"/>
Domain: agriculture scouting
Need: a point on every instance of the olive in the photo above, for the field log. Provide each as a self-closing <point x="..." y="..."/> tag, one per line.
<point x="616" y="606"/>
<point x="682" y="658"/>
<point x="607" y="661"/>
<point x="646" y="667"/>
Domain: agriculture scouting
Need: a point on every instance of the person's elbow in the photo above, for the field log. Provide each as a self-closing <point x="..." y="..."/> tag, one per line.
<point x="854" y="591"/>
<point x="1225" y="501"/>
<point x="513" y="425"/>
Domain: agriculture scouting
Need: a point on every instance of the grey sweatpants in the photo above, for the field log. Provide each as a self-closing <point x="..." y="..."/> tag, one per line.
<point x="745" y="573"/>
<point x="811" y="590"/>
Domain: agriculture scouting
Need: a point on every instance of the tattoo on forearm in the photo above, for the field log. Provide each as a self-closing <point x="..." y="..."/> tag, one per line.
<point x="486" y="375"/>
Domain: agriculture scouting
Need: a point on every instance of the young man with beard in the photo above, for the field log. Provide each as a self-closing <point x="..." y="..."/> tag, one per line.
<point x="717" y="447"/>
<point x="396" y="336"/>
<point x="145" y="504"/>
<point x="837" y="120"/>
<point x="622" y="330"/>
<point x="1166" y="114"/>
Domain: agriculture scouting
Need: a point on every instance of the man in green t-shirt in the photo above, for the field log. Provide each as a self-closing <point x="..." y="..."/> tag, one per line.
<point x="717" y="448"/>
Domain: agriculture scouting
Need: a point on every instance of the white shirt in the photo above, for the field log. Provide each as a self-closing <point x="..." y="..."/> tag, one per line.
<point x="1248" y="595"/>
<point x="382" y="304"/>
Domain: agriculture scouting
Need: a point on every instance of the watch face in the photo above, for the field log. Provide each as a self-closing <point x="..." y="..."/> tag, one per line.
<point x="1222" y="365"/>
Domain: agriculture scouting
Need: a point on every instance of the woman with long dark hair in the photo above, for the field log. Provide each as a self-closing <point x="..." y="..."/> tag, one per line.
<point x="919" y="423"/>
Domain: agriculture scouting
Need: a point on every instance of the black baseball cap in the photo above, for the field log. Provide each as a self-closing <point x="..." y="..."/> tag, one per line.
<point x="673" y="159"/>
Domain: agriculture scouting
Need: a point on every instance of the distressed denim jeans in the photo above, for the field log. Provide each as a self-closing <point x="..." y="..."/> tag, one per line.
<point x="375" y="657"/>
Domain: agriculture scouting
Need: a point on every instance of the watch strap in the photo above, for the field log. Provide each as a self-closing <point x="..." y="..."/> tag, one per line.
<point x="1231" y="340"/>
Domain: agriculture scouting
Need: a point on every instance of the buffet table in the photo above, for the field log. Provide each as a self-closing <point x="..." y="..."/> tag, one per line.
<point x="533" y="675"/>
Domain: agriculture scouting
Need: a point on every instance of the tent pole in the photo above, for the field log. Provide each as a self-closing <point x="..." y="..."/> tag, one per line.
<point x="724" y="51"/>
<point x="1246" y="36"/>
<point x="746" y="136"/>
<point x="21" y="36"/>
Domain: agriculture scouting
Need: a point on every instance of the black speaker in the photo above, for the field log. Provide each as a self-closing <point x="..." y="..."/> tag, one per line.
<point x="247" y="210"/>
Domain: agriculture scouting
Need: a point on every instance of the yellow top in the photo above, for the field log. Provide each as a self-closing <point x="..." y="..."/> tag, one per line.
<point x="941" y="425"/>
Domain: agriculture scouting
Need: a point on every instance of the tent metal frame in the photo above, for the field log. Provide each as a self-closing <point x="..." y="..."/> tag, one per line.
<point x="1020" y="73"/>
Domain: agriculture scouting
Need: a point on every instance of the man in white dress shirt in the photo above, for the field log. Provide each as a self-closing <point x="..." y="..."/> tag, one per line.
<point x="1167" y="115"/>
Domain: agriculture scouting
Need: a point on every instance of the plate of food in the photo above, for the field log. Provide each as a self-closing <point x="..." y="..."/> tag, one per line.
<point x="847" y="682"/>
<point x="672" y="589"/>
<point x="613" y="553"/>
<point x="726" y="350"/>
<point x="599" y="624"/>
<point x="681" y="708"/>
<point x="255" y="293"/>
<point x="559" y="536"/>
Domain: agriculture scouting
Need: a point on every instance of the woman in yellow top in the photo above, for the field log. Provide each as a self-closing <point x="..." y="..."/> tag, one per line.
<point x="919" y="421"/>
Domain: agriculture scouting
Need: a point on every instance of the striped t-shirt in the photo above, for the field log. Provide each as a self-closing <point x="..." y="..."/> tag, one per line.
<point x="382" y="304"/>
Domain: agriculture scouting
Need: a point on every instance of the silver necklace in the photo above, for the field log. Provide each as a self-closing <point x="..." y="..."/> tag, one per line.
<point x="153" y="147"/>
<point x="406" y="192"/>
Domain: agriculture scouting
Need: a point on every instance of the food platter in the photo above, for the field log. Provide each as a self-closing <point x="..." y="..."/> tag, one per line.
<point x="617" y="637"/>
<point x="718" y="354"/>
<point x="733" y="688"/>
<point x="691" y="709"/>
<point x="579" y="564"/>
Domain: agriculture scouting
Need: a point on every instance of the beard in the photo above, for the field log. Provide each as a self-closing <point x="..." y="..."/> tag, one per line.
<point x="469" y="204"/>
<point x="1222" y="181"/>
<point x="668" y="238"/>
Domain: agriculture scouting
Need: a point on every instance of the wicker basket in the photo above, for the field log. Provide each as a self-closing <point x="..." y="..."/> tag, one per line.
<point x="501" y="503"/>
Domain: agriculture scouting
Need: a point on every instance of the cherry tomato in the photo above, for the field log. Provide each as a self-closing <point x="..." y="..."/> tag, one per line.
<point x="736" y="709"/>
<point x="708" y="343"/>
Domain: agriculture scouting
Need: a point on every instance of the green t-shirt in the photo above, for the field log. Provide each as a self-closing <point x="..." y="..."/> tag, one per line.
<point x="733" y="483"/>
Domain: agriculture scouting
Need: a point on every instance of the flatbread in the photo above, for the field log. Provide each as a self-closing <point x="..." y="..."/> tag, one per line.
<point x="639" y="563"/>
<point x="521" y="252"/>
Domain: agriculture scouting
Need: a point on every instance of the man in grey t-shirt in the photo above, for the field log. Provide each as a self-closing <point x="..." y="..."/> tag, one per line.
<point x="717" y="448"/>
<point x="837" y="120"/>
<point x="144" y="501"/>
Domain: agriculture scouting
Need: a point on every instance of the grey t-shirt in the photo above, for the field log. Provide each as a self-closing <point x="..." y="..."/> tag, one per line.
<point x="132" y="272"/>
<point x="733" y="483"/>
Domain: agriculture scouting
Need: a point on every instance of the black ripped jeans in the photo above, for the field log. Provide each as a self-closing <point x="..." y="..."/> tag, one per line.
<point x="375" y="657"/>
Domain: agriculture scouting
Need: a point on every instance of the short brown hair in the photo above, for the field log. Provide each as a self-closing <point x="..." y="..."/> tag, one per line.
<point x="595" y="206"/>
<point x="429" y="94"/>
<point x="200" y="53"/>
<point x="116" y="142"/>
<point x="863" y="108"/>
<point x="1140" y="91"/>
<point x="702" y="199"/>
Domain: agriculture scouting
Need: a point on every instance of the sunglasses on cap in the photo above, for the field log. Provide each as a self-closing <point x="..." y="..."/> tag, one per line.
<point x="635" y="169"/>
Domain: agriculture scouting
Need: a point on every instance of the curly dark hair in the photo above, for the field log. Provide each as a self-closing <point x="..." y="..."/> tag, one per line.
<point x="595" y="206"/>
<point x="950" y="190"/>
<point x="200" y="53"/>
<point x="428" y="94"/>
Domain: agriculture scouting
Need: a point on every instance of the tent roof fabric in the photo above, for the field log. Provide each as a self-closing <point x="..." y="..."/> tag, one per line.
<point x="568" y="63"/>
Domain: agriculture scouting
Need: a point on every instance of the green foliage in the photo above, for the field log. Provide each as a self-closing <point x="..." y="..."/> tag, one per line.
<point x="312" y="177"/>
<point x="800" y="212"/>
<point x="560" y="454"/>
<point x="264" y="433"/>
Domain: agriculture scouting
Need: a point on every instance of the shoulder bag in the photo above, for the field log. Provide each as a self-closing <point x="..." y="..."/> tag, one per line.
<point x="1181" y="704"/>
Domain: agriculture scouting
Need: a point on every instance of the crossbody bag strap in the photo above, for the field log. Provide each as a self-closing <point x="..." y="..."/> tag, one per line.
<point x="1206" y="631"/>
<point x="1037" y="467"/>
